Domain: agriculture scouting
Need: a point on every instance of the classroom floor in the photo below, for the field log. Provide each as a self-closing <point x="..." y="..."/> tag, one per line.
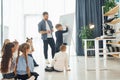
<point x="77" y="66"/>
<point x="78" y="72"/>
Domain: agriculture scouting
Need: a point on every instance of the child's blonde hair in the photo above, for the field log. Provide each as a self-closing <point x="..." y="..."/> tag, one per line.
<point x="63" y="48"/>
<point x="22" y="48"/>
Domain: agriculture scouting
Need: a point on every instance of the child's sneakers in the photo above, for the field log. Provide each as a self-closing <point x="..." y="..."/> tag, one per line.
<point x="49" y="69"/>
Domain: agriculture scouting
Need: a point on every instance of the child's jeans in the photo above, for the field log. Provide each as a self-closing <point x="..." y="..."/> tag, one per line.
<point x="8" y="75"/>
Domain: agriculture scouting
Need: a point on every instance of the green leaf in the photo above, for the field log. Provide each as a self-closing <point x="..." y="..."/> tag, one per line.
<point x="109" y="4"/>
<point x="86" y="33"/>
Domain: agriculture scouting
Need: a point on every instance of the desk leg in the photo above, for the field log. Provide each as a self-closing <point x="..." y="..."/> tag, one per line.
<point x="97" y="54"/>
<point x="85" y="51"/>
<point x="105" y="54"/>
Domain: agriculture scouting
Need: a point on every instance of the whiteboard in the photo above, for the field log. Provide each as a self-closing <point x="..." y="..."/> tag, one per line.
<point x="67" y="20"/>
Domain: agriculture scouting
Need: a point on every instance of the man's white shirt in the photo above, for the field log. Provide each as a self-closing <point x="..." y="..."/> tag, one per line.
<point x="49" y="35"/>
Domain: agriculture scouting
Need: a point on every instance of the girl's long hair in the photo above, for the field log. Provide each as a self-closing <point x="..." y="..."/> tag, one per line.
<point x="7" y="56"/>
<point x="22" y="48"/>
<point x="4" y="44"/>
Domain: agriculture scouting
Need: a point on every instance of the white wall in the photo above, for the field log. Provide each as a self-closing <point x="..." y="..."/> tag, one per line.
<point x="56" y="8"/>
<point x="33" y="6"/>
<point x="13" y="18"/>
<point x="14" y="11"/>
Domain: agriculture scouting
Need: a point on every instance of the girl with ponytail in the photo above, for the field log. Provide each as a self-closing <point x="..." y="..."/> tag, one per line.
<point x="29" y="41"/>
<point x="7" y="63"/>
<point x="24" y="64"/>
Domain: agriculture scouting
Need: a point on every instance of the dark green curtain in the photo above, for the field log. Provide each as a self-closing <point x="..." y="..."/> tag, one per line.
<point x="87" y="12"/>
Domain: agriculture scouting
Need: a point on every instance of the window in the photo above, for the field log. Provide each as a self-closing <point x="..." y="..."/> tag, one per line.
<point x="15" y="11"/>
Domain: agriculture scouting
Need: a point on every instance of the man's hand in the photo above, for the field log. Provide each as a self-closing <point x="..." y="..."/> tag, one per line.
<point x="52" y="30"/>
<point x="48" y="32"/>
<point x="44" y="32"/>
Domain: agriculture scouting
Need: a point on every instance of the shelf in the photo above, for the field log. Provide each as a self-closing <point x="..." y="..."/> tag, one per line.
<point x="116" y="55"/>
<point x="117" y="32"/>
<point x="112" y="53"/>
<point x="106" y="38"/>
<point x="113" y="43"/>
<point x="115" y="21"/>
<point x="112" y="11"/>
<point x="94" y="49"/>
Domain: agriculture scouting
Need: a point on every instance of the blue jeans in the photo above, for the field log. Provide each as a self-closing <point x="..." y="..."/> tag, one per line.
<point x="24" y="77"/>
<point x="8" y="75"/>
<point x="58" y="46"/>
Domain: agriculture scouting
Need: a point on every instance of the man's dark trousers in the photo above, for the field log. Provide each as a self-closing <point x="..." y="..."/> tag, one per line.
<point x="51" y="42"/>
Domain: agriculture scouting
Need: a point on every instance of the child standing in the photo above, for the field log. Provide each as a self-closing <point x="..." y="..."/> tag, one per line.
<point x="60" y="61"/>
<point x="59" y="36"/>
<point x="29" y="41"/>
<point x="7" y="63"/>
<point x="24" y="63"/>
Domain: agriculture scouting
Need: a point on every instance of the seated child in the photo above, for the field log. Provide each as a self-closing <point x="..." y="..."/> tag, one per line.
<point x="29" y="41"/>
<point x="24" y="63"/>
<point x="7" y="63"/>
<point x="16" y="43"/>
<point x="59" y="36"/>
<point x="60" y="61"/>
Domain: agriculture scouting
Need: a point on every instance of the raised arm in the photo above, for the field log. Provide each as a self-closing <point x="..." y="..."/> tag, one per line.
<point x="64" y="31"/>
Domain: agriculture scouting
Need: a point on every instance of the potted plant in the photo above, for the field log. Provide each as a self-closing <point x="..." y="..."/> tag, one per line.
<point x="109" y="4"/>
<point x="87" y="33"/>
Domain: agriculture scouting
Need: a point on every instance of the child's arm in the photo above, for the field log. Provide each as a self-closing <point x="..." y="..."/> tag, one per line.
<point x="54" y="60"/>
<point x="64" y="31"/>
<point x="32" y="48"/>
<point x="66" y="64"/>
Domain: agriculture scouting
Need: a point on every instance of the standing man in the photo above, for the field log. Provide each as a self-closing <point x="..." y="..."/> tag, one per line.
<point x="45" y="28"/>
